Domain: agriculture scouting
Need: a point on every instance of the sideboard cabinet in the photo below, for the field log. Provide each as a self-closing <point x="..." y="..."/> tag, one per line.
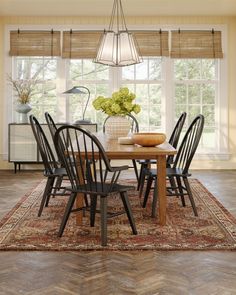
<point x="22" y="147"/>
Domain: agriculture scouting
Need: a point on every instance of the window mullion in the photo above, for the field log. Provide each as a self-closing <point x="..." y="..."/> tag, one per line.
<point x="168" y="102"/>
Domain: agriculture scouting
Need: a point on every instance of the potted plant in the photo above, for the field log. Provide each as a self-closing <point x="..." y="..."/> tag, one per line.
<point x="24" y="90"/>
<point x="117" y="107"/>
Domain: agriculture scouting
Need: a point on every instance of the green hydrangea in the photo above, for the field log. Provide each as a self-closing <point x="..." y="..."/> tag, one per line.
<point x="120" y="103"/>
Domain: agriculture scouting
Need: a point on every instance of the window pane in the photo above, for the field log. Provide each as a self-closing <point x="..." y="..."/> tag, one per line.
<point x="209" y="114"/>
<point x="194" y="69"/>
<point x="208" y="69"/>
<point x="75" y="69"/>
<point x="208" y="94"/>
<point x="193" y="111"/>
<point x="194" y="94"/>
<point x="155" y="93"/>
<point x="180" y="94"/>
<point x="180" y="69"/>
<point x="142" y="70"/>
<point x="155" y="69"/>
<point x="128" y="73"/>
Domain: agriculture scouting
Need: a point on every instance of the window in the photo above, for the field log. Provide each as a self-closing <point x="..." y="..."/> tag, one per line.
<point x="146" y="81"/>
<point x="45" y="71"/>
<point x="96" y="78"/>
<point x="164" y="87"/>
<point x="196" y="84"/>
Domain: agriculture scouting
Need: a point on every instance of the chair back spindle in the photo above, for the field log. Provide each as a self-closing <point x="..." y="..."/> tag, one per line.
<point x="189" y="144"/>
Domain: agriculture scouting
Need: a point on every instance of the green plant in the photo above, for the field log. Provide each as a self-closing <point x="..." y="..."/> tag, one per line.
<point x="120" y="103"/>
<point x="24" y="89"/>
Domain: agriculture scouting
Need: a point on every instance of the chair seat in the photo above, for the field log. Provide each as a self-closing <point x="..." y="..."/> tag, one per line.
<point x="176" y="172"/>
<point x="101" y="189"/>
<point x="56" y="172"/>
<point x="170" y="172"/>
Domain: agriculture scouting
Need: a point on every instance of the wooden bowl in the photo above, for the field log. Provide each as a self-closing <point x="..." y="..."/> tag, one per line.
<point x="148" y="139"/>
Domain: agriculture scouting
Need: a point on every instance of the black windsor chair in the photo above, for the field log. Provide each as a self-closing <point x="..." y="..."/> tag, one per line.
<point x="52" y="169"/>
<point x="180" y="169"/>
<point x="81" y="148"/>
<point x="174" y="140"/>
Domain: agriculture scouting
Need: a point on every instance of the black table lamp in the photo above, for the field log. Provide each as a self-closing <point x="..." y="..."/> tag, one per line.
<point x="77" y="90"/>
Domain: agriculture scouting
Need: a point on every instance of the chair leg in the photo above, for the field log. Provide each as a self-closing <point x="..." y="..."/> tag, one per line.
<point x="86" y="200"/>
<point x="58" y="184"/>
<point x="135" y="169"/>
<point x="181" y="192"/>
<point x="67" y="213"/>
<point x="46" y="194"/>
<point x="103" y="204"/>
<point x="173" y="185"/>
<point x="93" y="208"/>
<point x="147" y="192"/>
<point x="50" y="192"/>
<point x="190" y="195"/>
<point x="142" y="177"/>
<point x="154" y="202"/>
<point x="126" y="203"/>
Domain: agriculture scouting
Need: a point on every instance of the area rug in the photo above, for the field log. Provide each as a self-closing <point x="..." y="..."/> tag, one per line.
<point x="214" y="228"/>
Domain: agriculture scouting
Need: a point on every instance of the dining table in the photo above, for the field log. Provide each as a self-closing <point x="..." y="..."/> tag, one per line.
<point x="117" y="151"/>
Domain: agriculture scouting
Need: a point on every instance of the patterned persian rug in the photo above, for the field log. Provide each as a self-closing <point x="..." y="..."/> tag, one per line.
<point x="215" y="228"/>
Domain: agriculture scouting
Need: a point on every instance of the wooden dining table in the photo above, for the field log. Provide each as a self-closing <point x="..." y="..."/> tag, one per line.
<point x="117" y="151"/>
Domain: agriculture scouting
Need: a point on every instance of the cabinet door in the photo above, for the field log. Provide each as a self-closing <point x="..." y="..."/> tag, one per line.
<point x="22" y="145"/>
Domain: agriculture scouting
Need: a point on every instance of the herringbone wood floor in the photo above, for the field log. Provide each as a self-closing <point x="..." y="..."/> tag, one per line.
<point x="141" y="273"/>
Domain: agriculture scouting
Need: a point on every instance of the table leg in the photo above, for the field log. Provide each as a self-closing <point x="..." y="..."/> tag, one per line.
<point x="161" y="185"/>
<point x="80" y="197"/>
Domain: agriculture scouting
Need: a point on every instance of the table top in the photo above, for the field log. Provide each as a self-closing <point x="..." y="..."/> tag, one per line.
<point x="132" y="151"/>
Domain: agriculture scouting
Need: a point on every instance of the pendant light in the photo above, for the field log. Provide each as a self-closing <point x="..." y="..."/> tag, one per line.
<point x="117" y="46"/>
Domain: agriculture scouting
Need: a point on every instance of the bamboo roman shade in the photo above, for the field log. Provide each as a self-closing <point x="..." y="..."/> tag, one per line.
<point x="83" y="44"/>
<point x="196" y="44"/>
<point x="35" y="43"/>
<point x="80" y="44"/>
<point x="152" y="43"/>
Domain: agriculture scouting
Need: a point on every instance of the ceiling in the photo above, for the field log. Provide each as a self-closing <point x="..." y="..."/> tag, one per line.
<point x="103" y="7"/>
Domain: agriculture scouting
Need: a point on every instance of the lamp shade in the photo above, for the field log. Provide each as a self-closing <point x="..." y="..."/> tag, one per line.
<point x="75" y="90"/>
<point x="117" y="49"/>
